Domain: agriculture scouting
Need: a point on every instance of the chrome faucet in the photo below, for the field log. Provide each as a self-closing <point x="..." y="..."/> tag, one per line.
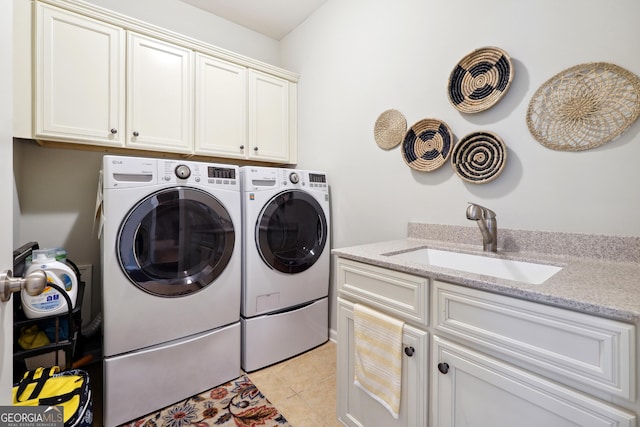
<point x="486" y="219"/>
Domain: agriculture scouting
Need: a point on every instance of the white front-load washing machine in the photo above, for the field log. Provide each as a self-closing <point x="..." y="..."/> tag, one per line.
<point x="171" y="278"/>
<point x="285" y="284"/>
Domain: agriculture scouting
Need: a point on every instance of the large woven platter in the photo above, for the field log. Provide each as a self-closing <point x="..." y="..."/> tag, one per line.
<point x="427" y="145"/>
<point x="584" y="106"/>
<point x="480" y="79"/>
<point x="389" y="129"/>
<point x="479" y="157"/>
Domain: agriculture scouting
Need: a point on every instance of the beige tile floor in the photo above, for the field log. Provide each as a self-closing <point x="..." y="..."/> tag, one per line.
<point x="303" y="388"/>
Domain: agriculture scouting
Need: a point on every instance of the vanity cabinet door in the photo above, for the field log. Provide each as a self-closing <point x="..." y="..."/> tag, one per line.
<point x="470" y="389"/>
<point x="79" y="79"/>
<point x="159" y="95"/>
<point x="356" y="408"/>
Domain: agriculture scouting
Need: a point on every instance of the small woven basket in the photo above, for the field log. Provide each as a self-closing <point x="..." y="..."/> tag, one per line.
<point x="584" y="106"/>
<point x="480" y="79"/>
<point x="427" y="145"/>
<point x="389" y="129"/>
<point x="479" y="157"/>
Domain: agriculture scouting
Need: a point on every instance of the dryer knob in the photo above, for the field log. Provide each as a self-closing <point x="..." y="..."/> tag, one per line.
<point x="294" y="178"/>
<point x="183" y="171"/>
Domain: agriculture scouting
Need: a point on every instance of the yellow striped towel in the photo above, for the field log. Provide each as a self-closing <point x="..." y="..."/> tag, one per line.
<point x="378" y="356"/>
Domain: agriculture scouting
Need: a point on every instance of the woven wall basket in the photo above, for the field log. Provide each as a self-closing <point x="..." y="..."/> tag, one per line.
<point x="427" y="145"/>
<point x="389" y="129"/>
<point x="584" y="106"/>
<point x="480" y="79"/>
<point x="479" y="157"/>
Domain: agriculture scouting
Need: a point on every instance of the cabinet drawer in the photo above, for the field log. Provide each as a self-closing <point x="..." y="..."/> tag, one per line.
<point x="576" y="348"/>
<point x="403" y="295"/>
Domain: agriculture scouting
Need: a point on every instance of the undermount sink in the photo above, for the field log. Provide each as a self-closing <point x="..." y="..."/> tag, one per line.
<point x="520" y="271"/>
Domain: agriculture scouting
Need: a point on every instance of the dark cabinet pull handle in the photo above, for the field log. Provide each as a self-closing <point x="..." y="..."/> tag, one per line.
<point x="136" y="133"/>
<point x="114" y="131"/>
<point x="242" y="147"/>
<point x="443" y="367"/>
<point x="409" y="351"/>
<point x="255" y="148"/>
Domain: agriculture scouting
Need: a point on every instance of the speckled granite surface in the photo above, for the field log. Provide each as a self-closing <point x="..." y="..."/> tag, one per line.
<point x="600" y="274"/>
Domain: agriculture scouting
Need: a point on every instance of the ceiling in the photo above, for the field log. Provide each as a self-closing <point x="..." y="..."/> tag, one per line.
<point x="273" y="18"/>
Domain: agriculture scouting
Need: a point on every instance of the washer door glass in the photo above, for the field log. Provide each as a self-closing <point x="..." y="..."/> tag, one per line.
<point x="291" y="232"/>
<point x="175" y="242"/>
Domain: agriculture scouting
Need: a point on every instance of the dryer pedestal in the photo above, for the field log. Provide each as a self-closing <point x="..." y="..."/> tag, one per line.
<point x="272" y="338"/>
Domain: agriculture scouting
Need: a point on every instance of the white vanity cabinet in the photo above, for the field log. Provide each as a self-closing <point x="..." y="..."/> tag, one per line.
<point x="494" y="360"/>
<point x="400" y="295"/>
<point x="79" y="79"/>
<point x="159" y="95"/>
<point x="507" y="361"/>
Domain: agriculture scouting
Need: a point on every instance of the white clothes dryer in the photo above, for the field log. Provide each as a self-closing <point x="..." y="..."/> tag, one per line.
<point x="171" y="278"/>
<point x="285" y="285"/>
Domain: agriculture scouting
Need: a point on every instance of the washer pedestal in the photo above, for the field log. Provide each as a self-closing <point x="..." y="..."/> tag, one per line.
<point x="272" y="338"/>
<point x="140" y="382"/>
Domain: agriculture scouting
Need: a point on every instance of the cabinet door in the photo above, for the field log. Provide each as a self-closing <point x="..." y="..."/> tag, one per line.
<point x="79" y="79"/>
<point x="356" y="408"/>
<point x="269" y="118"/>
<point x="472" y="389"/>
<point x="221" y="108"/>
<point x="159" y="95"/>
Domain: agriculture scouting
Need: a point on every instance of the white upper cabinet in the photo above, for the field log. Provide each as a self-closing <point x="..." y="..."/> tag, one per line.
<point x="102" y="79"/>
<point x="271" y="118"/>
<point x="221" y="108"/>
<point x="79" y="79"/>
<point x="159" y="95"/>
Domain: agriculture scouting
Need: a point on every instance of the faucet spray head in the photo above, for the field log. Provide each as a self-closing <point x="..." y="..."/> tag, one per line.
<point x="474" y="212"/>
<point x="485" y="218"/>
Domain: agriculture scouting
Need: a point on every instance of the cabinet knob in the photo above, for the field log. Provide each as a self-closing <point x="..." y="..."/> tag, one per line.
<point x="114" y="131"/>
<point x="443" y="367"/>
<point x="409" y="351"/>
<point x="242" y="147"/>
<point x="136" y="133"/>
<point x="255" y="148"/>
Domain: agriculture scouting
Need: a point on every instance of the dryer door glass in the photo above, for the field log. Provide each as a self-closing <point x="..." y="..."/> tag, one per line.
<point x="175" y="242"/>
<point x="291" y="231"/>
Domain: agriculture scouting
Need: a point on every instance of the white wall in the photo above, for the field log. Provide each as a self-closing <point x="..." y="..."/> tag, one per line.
<point x="358" y="58"/>
<point x="191" y="21"/>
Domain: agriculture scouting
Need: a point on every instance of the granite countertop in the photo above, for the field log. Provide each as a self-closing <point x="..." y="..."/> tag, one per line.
<point x="604" y="282"/>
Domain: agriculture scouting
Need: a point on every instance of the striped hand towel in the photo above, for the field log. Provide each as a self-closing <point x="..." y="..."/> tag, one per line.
<point x="378" y="356"/>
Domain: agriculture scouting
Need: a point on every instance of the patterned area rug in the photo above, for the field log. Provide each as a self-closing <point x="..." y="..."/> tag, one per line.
<point x="237" y="403"/>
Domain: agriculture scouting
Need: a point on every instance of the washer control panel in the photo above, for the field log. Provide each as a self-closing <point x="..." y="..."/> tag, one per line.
<point x="181" y="172"/>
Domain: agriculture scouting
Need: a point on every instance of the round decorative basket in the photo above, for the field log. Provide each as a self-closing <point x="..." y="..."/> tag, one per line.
<point x="584" y="106"/>
<point x="479" y="157"/>
<point x="480" y="79"/>
<point x="427" y="145"/>
<point x="389" y="129"/>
